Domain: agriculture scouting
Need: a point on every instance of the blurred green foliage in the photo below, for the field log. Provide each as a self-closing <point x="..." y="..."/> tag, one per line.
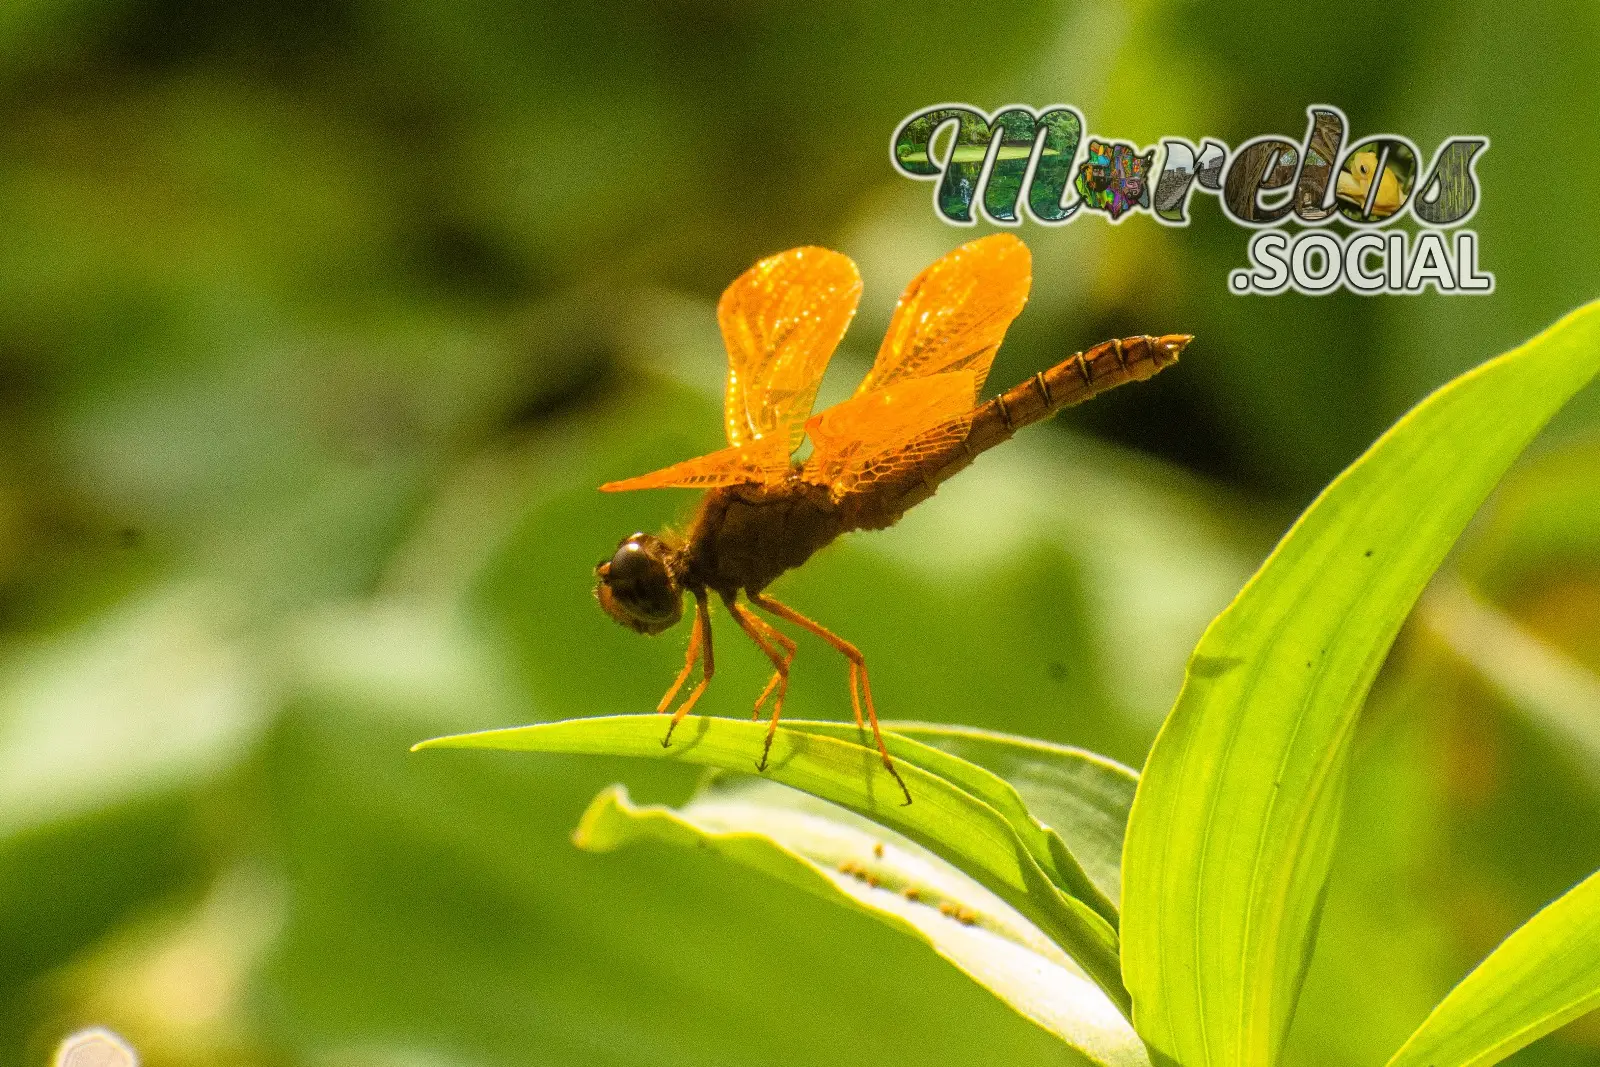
<point x="320" y="322"/>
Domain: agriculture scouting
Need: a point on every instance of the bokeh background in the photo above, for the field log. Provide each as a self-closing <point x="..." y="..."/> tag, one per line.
<point x="321" y="321"/>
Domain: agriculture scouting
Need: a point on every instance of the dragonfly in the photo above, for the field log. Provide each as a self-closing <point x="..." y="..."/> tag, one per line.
<point x="913" y="422"/>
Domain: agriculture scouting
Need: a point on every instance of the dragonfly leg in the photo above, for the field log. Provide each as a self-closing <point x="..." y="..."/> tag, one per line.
<point x="778" y="637"/>
<point x="858" y="673"/>
<point x="699" y="644"/>
<point x="765" y="635"/>
<point x="689" y="659"/>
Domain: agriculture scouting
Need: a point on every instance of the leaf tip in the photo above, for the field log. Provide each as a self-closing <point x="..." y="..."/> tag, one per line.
<point x="448" y="741"/>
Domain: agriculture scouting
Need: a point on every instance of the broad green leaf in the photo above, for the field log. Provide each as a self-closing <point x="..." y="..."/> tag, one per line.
<point x="1058" y="861"/>
<point x="828" y="851"/>
<point x="1237" y="809"/>
<point x="1080" y="794"/>
<point x="1545" y="974"/>
<point x="436" y="905"/>
<point x="944" y="818"/>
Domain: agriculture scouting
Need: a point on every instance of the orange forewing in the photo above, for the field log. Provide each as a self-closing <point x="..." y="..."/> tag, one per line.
<point x="889" y="430"/>
<point x="954" y="314"/>
<point x="730" y="466"/>
<point x="781" y="321"/>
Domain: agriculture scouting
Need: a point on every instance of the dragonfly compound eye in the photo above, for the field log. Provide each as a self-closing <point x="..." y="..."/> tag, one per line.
<point x="637" y="587"/>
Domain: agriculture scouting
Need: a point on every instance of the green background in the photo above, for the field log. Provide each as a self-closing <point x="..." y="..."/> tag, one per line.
<point x="320" y="322"/>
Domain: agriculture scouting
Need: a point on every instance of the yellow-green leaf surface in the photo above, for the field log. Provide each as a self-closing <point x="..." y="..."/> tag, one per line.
<point x="1237" y="808"/>
<point x="1545" y="974"/>
<point x="1082" y="795"/>
<point x="828" y="851"/>
<point x="944" y="818"/>
<point x="921" y="745"/>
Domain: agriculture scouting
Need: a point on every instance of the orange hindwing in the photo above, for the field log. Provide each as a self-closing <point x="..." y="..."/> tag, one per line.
<point x="919" y="396"/>
<point x="888" y="431"/>
<point x="954" y="314"/>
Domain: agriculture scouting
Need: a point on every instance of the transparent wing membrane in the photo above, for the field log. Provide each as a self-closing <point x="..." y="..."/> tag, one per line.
<point x="730" y="466"/>
<point x="781" y="321"/>
<point x="889" y="431"/>
<point x="954" y="314"/>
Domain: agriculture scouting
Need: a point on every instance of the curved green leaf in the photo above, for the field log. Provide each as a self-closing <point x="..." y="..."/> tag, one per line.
<point x="1084" y="796"/>
<point x="825" y="850"/>
<point x="1237" y="809"/>
<point x="944" y="818"/>
<point x="1059" y="862"/>
<point x="1545" y="974"/>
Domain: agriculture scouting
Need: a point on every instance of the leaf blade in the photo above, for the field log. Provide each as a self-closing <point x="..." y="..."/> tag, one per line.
<point x="1058" y="861"/>
<point x="1545" y="974"/>
<point x="946" y="819"/>
<point x="1236" y="812"/>
<point x="826" y="855"/>
<point x="1084" y="796"/>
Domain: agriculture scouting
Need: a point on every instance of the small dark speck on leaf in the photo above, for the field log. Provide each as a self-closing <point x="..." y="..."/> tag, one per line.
<point x="1057" y="671"/>
<point x="1368" y="553"/>
<point x="129" y="537"/>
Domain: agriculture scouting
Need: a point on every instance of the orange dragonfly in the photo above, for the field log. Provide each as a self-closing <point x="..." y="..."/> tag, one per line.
<point x="914" y="421"/>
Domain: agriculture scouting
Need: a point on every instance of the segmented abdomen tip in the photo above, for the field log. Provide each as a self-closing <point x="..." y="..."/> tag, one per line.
<point x="1173" y="343"/>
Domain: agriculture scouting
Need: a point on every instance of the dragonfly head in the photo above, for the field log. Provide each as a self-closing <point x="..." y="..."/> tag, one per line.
<point x="637" y="587"/>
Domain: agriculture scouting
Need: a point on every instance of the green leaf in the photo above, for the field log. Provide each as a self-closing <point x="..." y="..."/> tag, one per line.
<point x="1084" y="796"/>
<point x="1237" y="809"/>
<point x="825" y="850"/>
<point x="1058" y="861"/>
<point x="437" y="913"/>
<point x="945" y="818"/>
<point x="1545" y="974"/>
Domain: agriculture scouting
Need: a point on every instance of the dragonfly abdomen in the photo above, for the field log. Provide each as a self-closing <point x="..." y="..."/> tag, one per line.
<point x="1072" y="381"/>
